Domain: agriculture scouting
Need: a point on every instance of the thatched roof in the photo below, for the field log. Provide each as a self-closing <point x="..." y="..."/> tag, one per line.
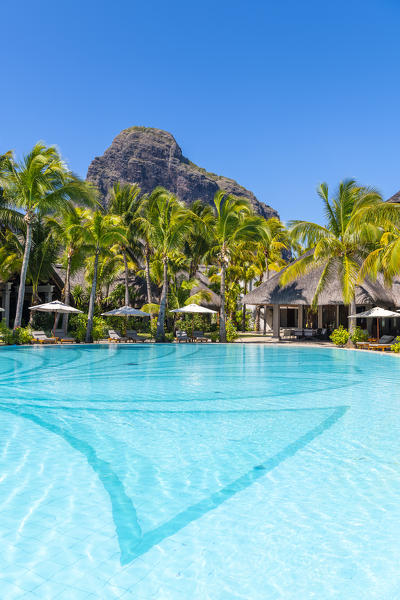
<point x="395" y="198"/>
<point x="303" y="289"/>
<point x="215" y="300"/>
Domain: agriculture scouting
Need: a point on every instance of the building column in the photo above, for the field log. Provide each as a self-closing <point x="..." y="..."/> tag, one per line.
<point x="265" y="320"/>
<point x="300" y="317"/>
<point x="337" y="314"/>
<point x="5" y="302"/>
<point x="276" y="321"/>
<point x="319" y="323"/>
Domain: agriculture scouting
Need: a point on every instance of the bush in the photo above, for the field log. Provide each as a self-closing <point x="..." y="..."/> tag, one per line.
<point x="359" y="335"/>
<point x="6" y="334"/>
<point x="340" y="336"/>
<point x="78" y="326"/>
<point x="214" y="336"/>
<point x="396" y="347"/>
<point x="23" y="335"/>
<point x="231" y="332"/>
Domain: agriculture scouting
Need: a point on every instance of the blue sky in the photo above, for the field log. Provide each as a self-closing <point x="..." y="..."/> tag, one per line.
<point x="279" y="95"/>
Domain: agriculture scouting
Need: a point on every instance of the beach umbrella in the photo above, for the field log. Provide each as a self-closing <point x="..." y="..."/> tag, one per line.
<point x="57" y="307"/>
<point x="375" y="313"/>
<point x="194" y="308"/>
<point x="125" y="311"/>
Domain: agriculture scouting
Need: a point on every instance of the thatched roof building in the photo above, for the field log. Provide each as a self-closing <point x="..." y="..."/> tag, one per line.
<point x="290" y="305"/>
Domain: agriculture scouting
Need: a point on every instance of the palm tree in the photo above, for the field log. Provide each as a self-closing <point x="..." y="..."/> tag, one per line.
<point x="124" y="204"/>
<point x="165" y="222"/>
<point x="385" y="258"/>
<point x="234" y="221"/>
<point x="39" y="185"/>
<point x="338" y="246"/>
<point x="44" y="253"/>
<point x="198" y="241"/>
<point x="68" y="227"/>
<point x="99" y="233"/>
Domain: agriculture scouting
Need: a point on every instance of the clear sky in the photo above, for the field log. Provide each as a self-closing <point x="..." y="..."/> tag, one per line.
<point x="278" y="94"/>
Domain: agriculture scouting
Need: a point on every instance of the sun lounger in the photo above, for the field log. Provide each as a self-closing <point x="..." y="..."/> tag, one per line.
<point x="199" y="336"/>
<point x="182" y="336"/>
<point x="64" y="339"/>
<point x="384" y="343"/>
<point x="132" y="335"/>
<point x="115" y="336"/>
<point x="41" y="338"/>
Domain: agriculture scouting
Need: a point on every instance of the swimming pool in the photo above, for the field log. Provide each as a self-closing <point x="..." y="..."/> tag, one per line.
<point x="199" y="472"/>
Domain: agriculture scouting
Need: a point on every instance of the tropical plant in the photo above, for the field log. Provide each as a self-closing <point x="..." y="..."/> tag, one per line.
<point x="340" y="336"/>
<point x="234" y="221"/>
<point x="38" y="185"/>
<point x="339" y="246"/>
<point x="359" y="335"/>
<point x="385" y="257"/>
<point x="396" y="346"/>
<point x="124" y="204"/>
<point x="165" y="222"/>
<point x="99" y="233"/>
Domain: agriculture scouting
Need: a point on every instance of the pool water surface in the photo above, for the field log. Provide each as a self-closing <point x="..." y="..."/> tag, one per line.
<point x="199" y="472"/>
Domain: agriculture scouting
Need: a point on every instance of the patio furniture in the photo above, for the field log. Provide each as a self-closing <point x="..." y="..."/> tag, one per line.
<point x="182" y="336"/>
<point x="198" y="336"/>
<point x="64" y="339"/>
<point x="385" y="343"/>
<point x="41" y="338"/>
<point x="115" y="336"/>
<point x="298" y="333"/>
<point x="132" y="335"/>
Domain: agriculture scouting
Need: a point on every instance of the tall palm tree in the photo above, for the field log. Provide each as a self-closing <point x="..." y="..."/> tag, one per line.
<point x="234" y="221"/>
<point x="40" y="184"/>
<point x="198" y="241"/>
<point x="269" y="256"/>
<point x="124" y="204"/>
<point x="68" y="227"/>
<point x="165" y="223"/>
<point x="338" y="246"/>
<point x="385" y="258"/>
<point x="99" y="233"/>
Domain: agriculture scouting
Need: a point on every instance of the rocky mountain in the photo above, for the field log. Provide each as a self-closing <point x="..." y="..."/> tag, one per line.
<point x="395" y="198"/>
<point x="151" y="157"/>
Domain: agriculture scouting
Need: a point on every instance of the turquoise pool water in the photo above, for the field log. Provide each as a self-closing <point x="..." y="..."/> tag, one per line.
<point x="199" y="472"/>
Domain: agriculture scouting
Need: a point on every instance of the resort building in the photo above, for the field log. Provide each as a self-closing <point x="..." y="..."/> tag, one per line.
<point x="289" y="306"/>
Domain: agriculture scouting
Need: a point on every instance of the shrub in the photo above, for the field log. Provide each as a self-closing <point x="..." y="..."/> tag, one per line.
<point x="231" y="332"/>
<point x="169" y="337"/>
<point x="340" y="336"/>
<point x="23" y="335"/>
<point x="6" y="334"/>
<point x="214" y="335"/>
<point x="78" y="325"/>
<point x="396" y="347"/>
<point x="359" y="335"/>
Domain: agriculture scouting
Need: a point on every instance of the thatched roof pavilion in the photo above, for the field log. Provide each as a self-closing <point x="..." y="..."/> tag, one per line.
<point x="291" y="305"/>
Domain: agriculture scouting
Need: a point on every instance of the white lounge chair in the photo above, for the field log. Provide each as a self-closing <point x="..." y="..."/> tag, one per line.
<point x="115" y="336"/>
<point x="41" y="338"/>
<point x="133" y="335"/>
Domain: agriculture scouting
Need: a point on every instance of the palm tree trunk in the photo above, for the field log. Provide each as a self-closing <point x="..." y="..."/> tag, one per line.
<point x="147" y="271"/>
<point x="222" y="315"/>
<point x="67" y="292"/>
<point x="257" y="323"/>
<point x="21" y="290"/>
<point x="353" y="310"/>
<point x="160" y="334"/>
<point x="244" y="309"/>
<point x="89" y="329"/>
<point x="126" y="278"/>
